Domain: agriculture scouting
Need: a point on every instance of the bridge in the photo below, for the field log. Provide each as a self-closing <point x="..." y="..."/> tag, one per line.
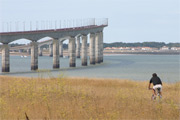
<point x="48" y="42"/>
<point x="74" y="34"/>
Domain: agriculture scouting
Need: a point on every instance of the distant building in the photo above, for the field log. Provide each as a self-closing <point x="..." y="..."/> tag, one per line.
<point x="146" y="48"/>
<point x="114" y="48"/>
<point x="124" y="48"/>
<point x="175" y="48"/>
<point x="127" y="48"/>
<point x="164" y="48"/>
<point x="135" y="48"/>
<point x="120" y="48"/>
<point x="108" y="48"/>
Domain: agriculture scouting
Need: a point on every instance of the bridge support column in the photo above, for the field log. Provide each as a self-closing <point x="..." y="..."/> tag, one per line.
<point x="34" y="55"/>
<point x="97" y="48"/>
<point x="92" y="49"/>
<point x="84" y="50"/>
<point x="101" y="46"/>
<point x="29" y="51"/>
<point x="50" y="50"/>
<point x="40" y="51"/>
<point x="60" y="48"/>
<point x="55" y="53"/>
<point x="5" y="58"/>
<point x="78" y="47"/>
<point x="72" y="52"/>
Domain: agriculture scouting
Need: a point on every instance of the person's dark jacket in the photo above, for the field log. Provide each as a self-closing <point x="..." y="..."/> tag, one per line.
<point x="155" y="80"/>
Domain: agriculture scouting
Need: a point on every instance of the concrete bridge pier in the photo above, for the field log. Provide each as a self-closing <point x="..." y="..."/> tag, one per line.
<point x="40" y="51"/>
<point x="50" y="50"/>
<point x="78" y="47"/>
<point x="72" y="52"/>
<point x="55" y="53"/>
<point x="5" y="58"/>
<point x="97" y="47"/>
<point x="101" y="46"/>
<point x="34" y="55"/>
<point x="84" y="50"/>
<point x="29" y="51"/>
<point x="92" y="49"/>
<point x="61" y="48"/>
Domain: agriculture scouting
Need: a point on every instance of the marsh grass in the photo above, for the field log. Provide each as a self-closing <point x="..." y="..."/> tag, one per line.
<point x="82" y="98"/>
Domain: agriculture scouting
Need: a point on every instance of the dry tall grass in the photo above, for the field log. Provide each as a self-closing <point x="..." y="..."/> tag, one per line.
<point x="73" y="98"/>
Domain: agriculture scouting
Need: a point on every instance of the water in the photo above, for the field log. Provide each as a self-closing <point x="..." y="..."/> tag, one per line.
<point x="134" y="67"/>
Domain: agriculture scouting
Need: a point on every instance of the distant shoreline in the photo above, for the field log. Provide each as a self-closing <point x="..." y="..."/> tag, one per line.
<point x="141" y="53"/>
<point x="112" y="53"/>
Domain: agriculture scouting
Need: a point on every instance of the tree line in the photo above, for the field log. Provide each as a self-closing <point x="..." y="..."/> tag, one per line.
<point x="143" y="44"/>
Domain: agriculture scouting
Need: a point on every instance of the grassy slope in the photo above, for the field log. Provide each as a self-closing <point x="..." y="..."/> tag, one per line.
<point x="73" y="98"/>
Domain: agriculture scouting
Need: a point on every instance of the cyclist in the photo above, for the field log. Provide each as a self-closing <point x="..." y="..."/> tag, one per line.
<point x="157" y="84"/>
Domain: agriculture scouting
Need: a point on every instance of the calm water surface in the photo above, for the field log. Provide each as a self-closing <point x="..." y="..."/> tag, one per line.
<point x="134" y="67"/>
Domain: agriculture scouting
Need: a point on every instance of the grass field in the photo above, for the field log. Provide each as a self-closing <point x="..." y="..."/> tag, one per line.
<point x="82" y="98"/>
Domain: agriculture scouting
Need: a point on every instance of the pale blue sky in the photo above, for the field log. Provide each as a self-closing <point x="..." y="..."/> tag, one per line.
<point x="129" y="20"/>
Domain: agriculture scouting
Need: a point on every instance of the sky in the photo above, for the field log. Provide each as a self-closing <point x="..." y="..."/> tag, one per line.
<point x="129" y="20"/>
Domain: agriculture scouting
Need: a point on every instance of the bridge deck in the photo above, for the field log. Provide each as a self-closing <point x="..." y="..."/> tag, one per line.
<point x="52" y="30"/>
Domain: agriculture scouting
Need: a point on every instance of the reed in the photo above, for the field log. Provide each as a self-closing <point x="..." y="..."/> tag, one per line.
<point x="84" y="98"/>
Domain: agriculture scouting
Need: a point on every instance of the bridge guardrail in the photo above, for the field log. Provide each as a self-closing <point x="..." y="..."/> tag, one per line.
<point x="18" y="26"/>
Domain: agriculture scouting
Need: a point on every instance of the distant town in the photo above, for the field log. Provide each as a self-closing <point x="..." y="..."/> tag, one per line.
<point x="142" y="48"/>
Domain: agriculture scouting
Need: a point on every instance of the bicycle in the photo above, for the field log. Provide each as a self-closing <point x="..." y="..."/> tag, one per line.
<point x="157" y="93"/>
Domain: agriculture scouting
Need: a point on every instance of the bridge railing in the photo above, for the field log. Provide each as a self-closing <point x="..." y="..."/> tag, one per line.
<point x="18" y="26"/>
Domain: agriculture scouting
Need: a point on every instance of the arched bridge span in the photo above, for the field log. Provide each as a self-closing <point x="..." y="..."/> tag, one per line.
<point x="58" y="36"/>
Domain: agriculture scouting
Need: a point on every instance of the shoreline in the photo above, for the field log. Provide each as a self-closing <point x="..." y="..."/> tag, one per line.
<point x="111" y="53"/>
<point x="142" y="53"/>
